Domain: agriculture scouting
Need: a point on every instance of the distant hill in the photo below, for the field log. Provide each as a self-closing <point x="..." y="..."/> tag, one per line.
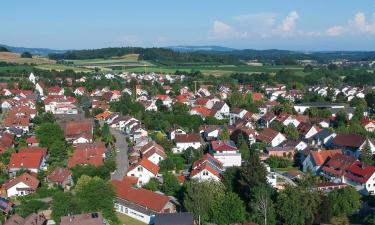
<point x="189" y="48"/>
<point x="33" y="51"/>
<point x="3" y="49"/>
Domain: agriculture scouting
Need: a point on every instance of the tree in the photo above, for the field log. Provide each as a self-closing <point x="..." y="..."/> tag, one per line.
<point x="224" y="134"/>
<point x="26" y="55"/>
<point x="236" y="99"/>
<point x="63" y="204"/>
<point x="94" y="194"/>
<point x="262" y="206"/>
<point x="170" y="184"/>
<point x="152" y="185"/>
<point x="57" y="151"/>
<point x="202" y="203"/>
<point x="30" y="206"/>
<point x="243" y="147"/>
<point x="191" y="154"/>
<point x="369" y="220"/>
<point x="297" y="205"/>
<point x="344" y="202"/>
<point x="253" y="173"/>
<point x="291" y="131"/>
<point x="231" y="177"/>
<point x="366" y="155"/>
<point x="232" y="210"/>
<point x="48" y="133"/>
<point x="370" y="99"/>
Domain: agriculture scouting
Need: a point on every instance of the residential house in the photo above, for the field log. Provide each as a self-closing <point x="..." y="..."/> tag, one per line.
<point x="55" y="90"/>
<point x="139" y="203"/>
<point x="20" y="186"/>
<point x="32" y="219"/>
<point x="315" y="159"/>
<point x="60" y="177"/>
<point x="226" y="152"/>
<point x="33" y="162"/>
<point x="335" y="168"/>
<point x="323" y="138"/>
<point x="185" y="141"/>
<point x="207" y="168"/>
<point x="94" y="218"/>
<point x="88" y="154"/>
<point x="362" y="177"/>
<point x="307" y="130"/>
<point x="79" y="132"/>
<point x="352" y="144"/>
<point x="173" y="131"/>
<point x="144" y="170"/>
<point x="270" y="136"/>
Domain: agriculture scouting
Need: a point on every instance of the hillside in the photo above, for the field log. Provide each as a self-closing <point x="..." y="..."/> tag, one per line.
<point x="33" y="51"/>
<point x="11" y="57"/>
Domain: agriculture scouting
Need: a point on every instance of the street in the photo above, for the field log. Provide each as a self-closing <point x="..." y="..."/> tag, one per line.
<point x="121" y="154"/>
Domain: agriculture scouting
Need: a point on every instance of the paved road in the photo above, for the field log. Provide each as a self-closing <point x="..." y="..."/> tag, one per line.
<point x="121" y="156"/>
<point x="287" y="179"/>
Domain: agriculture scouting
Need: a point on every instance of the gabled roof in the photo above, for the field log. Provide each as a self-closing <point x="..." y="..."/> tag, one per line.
<point x="209" y="163"/>
<point x="187" y="138"/>
<point x="147" y="164"/>
<point x="87" y="153"/>
<point x="338" y="164"/>
<point x="267" y="135"/>
<point x="360" y="172"/>
<point x="25" y="178"/>
<point x="320" y="157"/>
<point x="225" y="145"/>
<point x="59" y="175"/>
<point x="349" y="140"/>
<point x="142" y="197"/>
<point x="41" y="150"/>
<point x="25" y="160"/>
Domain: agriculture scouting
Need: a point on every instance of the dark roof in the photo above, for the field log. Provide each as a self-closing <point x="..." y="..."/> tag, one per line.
<point x="349" y="140"/>
<point x="184" y="218"/>
<point x="322" y="134"/>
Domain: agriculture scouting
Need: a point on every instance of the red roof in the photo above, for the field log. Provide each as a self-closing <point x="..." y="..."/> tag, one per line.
<point x="320" y="157"/>
<point x="267" y="135"/>
<point x="348" y="140"/>
<point x="209" y="163"/>
<point x="25" y="178"/>
<point x="142" y="197"/>
<point x="201" y="101"/>
<point x="88" y="154"/>
<point x="76" y="129"/>
<point x="225" y="145"/>
<point x="40" y="150"/>
<point x="32" y="140"/>
<point x="360" y="172"/>
<point x="25" y="160"/>
<point x="257" y="96"/>
<point x="147" y="164"/>
<point x="187" y="138"/>
<point x="59" y="175"/>
<point x="202" y="110"/>
<point x="337" y="165"/>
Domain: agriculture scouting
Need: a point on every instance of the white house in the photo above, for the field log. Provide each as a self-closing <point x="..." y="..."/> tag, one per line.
<point x="206" y="168"/>
<point x="20" y="186"/>
<point x="271" y="137"/>
<point x="226" y="152"/>
<point x="144" y="170"/>
<point x="184" y="141"/>
<point x="316" y="159"/>
<point x="32" y="78"/>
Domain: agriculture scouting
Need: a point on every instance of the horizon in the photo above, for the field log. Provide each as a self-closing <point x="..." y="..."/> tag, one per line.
<point x="287" y="25"/>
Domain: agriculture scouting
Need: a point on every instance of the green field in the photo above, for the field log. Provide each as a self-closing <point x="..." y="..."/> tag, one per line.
<point x="126" y="220"/>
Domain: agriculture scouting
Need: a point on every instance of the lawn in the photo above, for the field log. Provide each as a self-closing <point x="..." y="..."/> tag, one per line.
<point x="126" y="220"/>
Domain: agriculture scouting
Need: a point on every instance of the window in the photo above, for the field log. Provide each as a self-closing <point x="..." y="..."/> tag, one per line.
<point x="205" y="173"/>
<point x="140" y="169"/>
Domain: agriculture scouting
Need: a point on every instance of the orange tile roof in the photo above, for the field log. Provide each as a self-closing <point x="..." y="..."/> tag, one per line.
<point x="25" y="160"/>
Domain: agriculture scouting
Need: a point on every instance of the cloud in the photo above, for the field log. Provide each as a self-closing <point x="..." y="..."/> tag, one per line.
<point x="264" y="19"/>
<point x="289" y="23"/>
<point x="335" y="31"/>
<point x="359" y="24"/>
<point x="221" y="29"/>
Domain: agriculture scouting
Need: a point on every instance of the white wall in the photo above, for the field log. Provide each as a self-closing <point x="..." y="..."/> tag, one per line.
<point x="143" y="175"/>
<point x="133" y="213"/>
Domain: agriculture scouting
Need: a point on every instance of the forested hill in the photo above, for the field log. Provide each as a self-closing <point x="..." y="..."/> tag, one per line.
<point x="234" y="57"/>
<point x="158" y="55"/>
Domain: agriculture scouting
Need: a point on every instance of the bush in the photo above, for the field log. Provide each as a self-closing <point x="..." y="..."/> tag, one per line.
<point x="279" y="162"/>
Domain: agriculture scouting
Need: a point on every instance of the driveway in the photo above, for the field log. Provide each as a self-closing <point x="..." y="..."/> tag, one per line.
<point x="121" y="155"/>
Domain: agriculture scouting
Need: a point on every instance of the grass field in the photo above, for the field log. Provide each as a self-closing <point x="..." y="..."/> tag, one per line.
<point x="11" y="57"/>
<point x="126" y="220"/>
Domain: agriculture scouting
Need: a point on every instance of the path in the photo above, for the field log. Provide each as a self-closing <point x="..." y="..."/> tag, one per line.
<point x="121" y="154"/>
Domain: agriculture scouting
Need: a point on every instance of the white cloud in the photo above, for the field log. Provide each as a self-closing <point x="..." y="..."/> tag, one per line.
<point x="360" y="23"/>
<point x="264" y="19"/>
<point x="335" y="31"/>
<point x="221" y="29"/>
<point x="289" y="23"/>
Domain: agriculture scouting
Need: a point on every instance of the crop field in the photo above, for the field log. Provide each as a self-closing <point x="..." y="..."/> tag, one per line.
<point x="11" y="57"/>
<point x="216" y="70"/>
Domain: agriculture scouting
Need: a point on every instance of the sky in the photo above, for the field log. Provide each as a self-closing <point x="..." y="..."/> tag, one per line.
<point x="303" y="25"/>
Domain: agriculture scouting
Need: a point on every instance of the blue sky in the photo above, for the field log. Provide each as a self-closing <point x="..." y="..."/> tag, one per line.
<point x="254" y="24"/>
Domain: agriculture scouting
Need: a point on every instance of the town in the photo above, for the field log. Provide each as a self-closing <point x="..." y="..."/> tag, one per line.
<point x="149" y="146"/>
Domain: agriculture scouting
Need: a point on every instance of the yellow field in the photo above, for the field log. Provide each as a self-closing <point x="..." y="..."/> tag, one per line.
<point x="11" y="57"/>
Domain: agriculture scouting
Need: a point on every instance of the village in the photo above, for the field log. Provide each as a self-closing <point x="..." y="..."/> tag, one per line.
<point x="57" y="132"/>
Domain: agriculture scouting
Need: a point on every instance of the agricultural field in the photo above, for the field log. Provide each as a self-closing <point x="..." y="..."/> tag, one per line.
<point x="216" y="70"/>
<point x="11" y="57"/>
